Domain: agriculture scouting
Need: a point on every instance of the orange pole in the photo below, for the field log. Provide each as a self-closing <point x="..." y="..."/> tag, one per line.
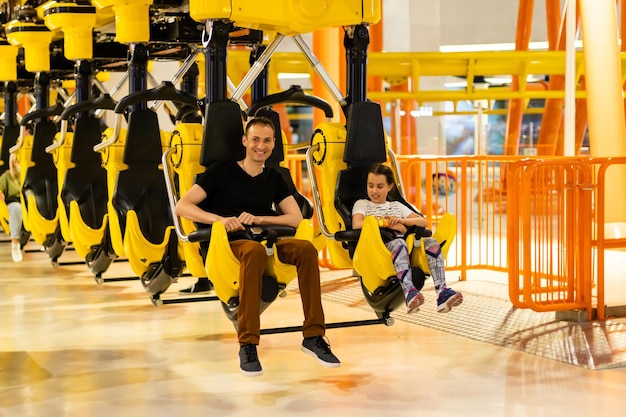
<point x="23" y="104"/>
<point x="581" y="119"/>
<point x="516" y="106"/>
<point x="406" y="125"/>
<point x="623" y="36"/>
<point x="326" y="47"/>
<point x="551" y="132"/>
<point x="553" y="22"/>
<point x="375" y="83"/>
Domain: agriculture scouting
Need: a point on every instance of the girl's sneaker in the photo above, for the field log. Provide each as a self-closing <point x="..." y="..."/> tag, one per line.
<point x="414" y="300"/>
<point x="447" y="299"/>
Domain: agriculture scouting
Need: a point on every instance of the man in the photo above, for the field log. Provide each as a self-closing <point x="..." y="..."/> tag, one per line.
<point x="243" y="193"/>
<point x="10" y="190"/>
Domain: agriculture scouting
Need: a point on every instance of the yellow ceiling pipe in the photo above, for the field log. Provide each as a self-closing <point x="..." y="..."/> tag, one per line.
<point x="30" y="32"/>
<point x="8" y="55"/>
<point x="288" y="17"/>
<point x="132" y="19"/>
<point x="77" y="22"/>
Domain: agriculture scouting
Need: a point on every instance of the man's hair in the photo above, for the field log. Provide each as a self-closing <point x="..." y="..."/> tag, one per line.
<point x="382" y="169"/>
<point x="262" y="121"/>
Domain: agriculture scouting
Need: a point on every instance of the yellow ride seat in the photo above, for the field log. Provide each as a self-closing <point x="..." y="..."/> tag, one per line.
<point x="39" y="180"/>
<point x="139" y="212"/>
<point x="342" y="161"/>
<point x="186" y="145"/>
<point x="10" y="133"/>
<point x="83" y="186"/>
<point x="222" y="141"/>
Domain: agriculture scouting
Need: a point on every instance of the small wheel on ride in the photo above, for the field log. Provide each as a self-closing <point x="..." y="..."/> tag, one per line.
<point x="156" y="300"/>
<point x="283" y="294"/>
<point x="55" y="263"/>
<point x="98" y="278"/>
<point x="390" y="321"/>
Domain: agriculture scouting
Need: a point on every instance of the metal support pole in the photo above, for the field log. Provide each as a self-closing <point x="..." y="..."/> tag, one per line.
<point x="569" y="128"/>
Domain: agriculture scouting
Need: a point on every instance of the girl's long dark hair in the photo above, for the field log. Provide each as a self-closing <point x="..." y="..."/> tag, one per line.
<point x="382" y="169"/>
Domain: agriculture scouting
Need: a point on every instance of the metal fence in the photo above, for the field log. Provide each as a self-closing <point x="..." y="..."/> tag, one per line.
<point x="540" y="220"/>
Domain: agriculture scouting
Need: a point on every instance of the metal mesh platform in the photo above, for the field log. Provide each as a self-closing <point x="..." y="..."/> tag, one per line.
<point x="488" y="316"/>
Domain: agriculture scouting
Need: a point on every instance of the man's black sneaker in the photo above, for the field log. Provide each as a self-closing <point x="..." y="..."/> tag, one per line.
<point x="249" y="361"/>
<point x="317" y="347"/>
<point x="203" y="285"/>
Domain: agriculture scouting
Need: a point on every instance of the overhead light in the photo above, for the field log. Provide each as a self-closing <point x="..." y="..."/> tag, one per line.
<point x="292" y="75"/>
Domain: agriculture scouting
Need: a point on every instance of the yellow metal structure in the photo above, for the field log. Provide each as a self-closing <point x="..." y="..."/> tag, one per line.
<point x="373" y="261"/>
<point x="35" y="38"/>
<point x="130" y="242"/>
<point x="331" y="139"/>
<point x="139" y="250"/>
<point x="4" y="218"/>
<point x="77" y="22"/>
<point x="132" y="18"/>
<point x="112" y="157"/>
<point x="8" y="55"/>
<point x="396" y="67"/>
<point x="62" y="160"/>
<point x="33" y="221"/>
<point x="222" y="266"/>
<point x="186" y="139"/>
<point x="83" y="237"/>
<point x="288" y="17"/>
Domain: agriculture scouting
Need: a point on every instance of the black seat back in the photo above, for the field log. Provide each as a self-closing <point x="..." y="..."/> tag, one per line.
<point x="141" y="187"/>
<point x="223" y="130"/>
<point x="86" y="182"/>
<point x="365" y="146"/>
<point x="9" y="138"/>
<point x="41" y="178"/>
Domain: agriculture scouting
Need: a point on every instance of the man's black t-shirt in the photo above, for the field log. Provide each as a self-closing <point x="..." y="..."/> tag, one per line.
<point x="230" y="191"/>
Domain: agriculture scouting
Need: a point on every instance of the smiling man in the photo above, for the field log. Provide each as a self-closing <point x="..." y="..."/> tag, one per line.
<point x="245" y="193"/>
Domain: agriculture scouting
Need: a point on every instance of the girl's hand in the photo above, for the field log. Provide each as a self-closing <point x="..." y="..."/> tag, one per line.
<point x="394" y="223"/>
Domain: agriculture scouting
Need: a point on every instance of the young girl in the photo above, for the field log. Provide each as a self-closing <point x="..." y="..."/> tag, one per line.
<point x="10" y="190"/>
<point x="399" y="217"/>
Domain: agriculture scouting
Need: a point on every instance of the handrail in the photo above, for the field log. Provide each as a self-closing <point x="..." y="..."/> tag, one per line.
<point x="166" y="91"/>
<point x="293" y="95"/>
<point x="315" y="191"/>
<point x="171" y="196"/>
<point x="28" y="117"/>
<point x="55" y="110"/>
<point x="104" y="102"/>
<point x="114" y="137"/>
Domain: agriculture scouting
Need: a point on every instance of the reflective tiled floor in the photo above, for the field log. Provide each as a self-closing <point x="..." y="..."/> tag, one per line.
<point x="70" y="347"/>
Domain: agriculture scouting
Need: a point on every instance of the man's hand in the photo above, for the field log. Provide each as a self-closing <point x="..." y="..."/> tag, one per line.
<point x="249" y="219"/>
<point x="232" y="224"/>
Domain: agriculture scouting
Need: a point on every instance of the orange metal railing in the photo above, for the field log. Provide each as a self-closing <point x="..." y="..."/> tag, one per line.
<point x="539" y="220"/>
<point x="549" y="232"/>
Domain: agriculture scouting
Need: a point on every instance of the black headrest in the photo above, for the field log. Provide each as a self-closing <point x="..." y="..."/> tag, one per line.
<point x="43" y="135"/>
<point x="87" y="134"/>
<point x="223" y="131"/>
<point x="9" y="138"/>
<point x="365" y="135"/>
<point x="278" y="154"/>
<point x="143" y="138"/>
<point x="351" y="186"/>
